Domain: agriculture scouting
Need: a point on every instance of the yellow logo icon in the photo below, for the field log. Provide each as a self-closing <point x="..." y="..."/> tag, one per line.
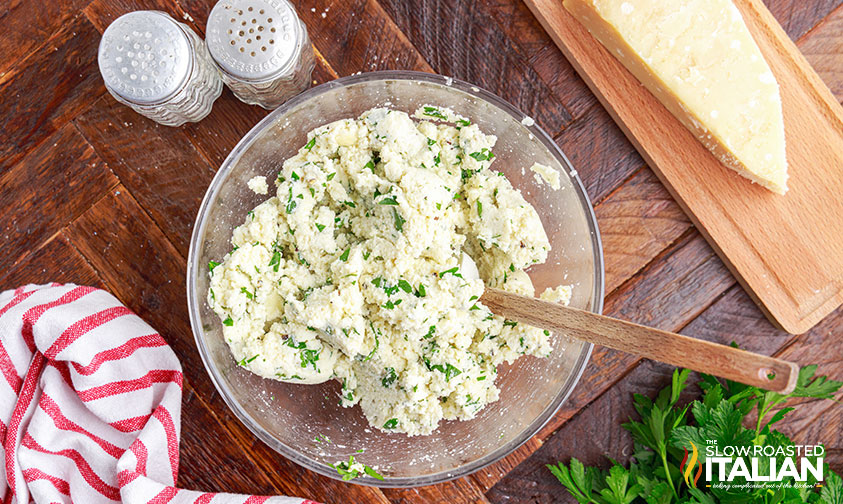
<point x="687" y="466"/>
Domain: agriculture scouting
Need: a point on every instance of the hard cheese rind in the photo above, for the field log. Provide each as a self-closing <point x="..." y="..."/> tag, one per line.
<point x="699" y="59"/>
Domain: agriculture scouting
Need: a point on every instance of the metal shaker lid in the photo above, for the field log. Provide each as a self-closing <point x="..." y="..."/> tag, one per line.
<point x="253" y="40"/>
<point x="145" y="57"/>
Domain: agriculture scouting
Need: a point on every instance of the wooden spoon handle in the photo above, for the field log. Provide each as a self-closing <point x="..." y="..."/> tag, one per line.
<point x="699" y="355"/>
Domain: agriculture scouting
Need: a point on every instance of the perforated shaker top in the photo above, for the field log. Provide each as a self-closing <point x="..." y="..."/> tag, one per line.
<point x="145" y="57"/>
<point x="253" y="40"/>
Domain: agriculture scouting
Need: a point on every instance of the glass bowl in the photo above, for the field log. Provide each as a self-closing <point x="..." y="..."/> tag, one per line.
<point x="298" y="420"/>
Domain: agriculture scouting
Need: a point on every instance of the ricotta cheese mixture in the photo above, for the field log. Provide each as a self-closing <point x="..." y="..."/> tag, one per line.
<point x="354" y="269"/>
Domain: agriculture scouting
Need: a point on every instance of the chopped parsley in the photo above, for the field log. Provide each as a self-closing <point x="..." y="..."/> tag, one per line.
<point x="370" y="165"/>
<point x="399" y="221"/>
<point x="309" y="145"/>
<point x="405" y="286"/>
<point x="388" y="201"/>
<point x="275" y="262"/>
<point x="391" y="423"/>
<point x="448" y="370"/>
<point x="463" y="122"/>
<point x="453" y="271"/>
<point x="483" y="154"/>
<point x="509" y="323"/>
<point x="331" y="176"/>
<point x="348" y="474"/>
<point x="320" y="227"/>
<point x="389" y="305"/>
<point x="309" y="357"/>
<point x="291" y="203"/>
<point x="386" y="286"/>
<point x="467" y="174"/>
<point x="344" y="255"/>
<point x="435" y="112"/>
<point x="212" y="265"/>
<point x="294" y="176"/>
<point x="350" y="204"/>
<point x="479" y="209"/>
<point x="430" y="332"/>
<point x="228" y="322"/>
<point x="389" y="378"/>
<point x="248" y="294"/>
<point x="245" y="361"/>
<point x="421" y="292"/>
<point x="377" y="342"/>
<point x="371" y="472"/>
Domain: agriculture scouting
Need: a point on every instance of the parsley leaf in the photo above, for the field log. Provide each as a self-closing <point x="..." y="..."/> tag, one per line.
<point x="483" y="154"/>
<point x="405" y="286"/>
<point x="452" y="271"/>
<point x="398" y="220"/>
<point x="389" y="378"/>
<point x="371" y="472"/>
<point x="435" y="112"/>
<point x="275" y="262"/>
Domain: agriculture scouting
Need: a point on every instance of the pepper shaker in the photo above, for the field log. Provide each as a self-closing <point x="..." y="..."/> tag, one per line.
<point x="262" y="49"/>
<point x="158" y="67"/>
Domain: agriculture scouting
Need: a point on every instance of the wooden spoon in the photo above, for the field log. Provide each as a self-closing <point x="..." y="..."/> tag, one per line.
<point x="699" y="355"/>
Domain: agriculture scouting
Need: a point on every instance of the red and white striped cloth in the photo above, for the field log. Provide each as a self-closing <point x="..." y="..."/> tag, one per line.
<point x="90" y="403"/>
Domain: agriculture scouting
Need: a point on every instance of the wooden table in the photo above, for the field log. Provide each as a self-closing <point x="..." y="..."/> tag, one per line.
<point x="92" y="193"/>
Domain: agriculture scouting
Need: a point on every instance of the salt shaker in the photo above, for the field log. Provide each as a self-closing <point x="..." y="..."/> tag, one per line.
<point x="158" y="67"/>
<point x="262" y="48"/>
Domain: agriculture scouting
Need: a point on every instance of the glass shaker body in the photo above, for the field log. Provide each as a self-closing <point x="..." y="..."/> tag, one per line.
<point x="158" y="67"/>
<point x="262" y="49"/>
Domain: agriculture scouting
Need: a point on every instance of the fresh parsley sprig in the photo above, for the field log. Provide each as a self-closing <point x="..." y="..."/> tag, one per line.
<point x="666" y="427"/>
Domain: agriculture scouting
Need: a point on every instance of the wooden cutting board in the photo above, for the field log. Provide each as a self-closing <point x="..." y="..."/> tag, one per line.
<point x="787" y="251"/>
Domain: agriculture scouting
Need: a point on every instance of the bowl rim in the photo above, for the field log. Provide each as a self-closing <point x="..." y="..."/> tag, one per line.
<point x="246" y="142"/>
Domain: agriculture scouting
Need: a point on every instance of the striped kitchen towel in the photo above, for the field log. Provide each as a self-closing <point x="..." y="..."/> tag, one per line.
<point x="90" y="403"/>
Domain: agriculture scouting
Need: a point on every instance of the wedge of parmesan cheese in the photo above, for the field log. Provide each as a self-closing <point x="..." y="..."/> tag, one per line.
<point x="699" y="59"/>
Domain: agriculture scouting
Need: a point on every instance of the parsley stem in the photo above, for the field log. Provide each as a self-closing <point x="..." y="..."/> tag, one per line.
<point x="663" y="453"/>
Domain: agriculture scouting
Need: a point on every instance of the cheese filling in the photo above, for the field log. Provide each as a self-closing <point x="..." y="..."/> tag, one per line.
<point x="353" y="271"/>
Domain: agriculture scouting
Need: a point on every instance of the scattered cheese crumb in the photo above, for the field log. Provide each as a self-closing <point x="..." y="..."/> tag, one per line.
<point x="258" y="185"/>
<point x="546" y="174"/>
